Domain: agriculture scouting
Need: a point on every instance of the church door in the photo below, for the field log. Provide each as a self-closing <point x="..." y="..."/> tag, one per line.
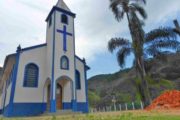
<point x="48" y="97"/>
<point x="59" y="97"/>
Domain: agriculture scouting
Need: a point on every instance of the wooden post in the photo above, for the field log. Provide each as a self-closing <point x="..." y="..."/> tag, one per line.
<point x="120" y="107"/>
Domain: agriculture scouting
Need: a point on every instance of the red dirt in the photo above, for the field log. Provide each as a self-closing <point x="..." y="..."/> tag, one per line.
<point x="168" y="100"/>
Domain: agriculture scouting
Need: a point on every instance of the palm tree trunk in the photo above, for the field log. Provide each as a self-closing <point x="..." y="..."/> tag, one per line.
<point x="143" y="87"/>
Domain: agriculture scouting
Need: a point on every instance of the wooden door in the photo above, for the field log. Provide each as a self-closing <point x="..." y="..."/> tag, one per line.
<point x="59" y="97"/>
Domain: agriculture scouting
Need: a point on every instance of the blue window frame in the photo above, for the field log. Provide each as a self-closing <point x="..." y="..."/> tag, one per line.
<point x="64" y="19"/>
<point x="31" y="75"/>
<point x="78" y="80"/>
<point x="64" y="63"/>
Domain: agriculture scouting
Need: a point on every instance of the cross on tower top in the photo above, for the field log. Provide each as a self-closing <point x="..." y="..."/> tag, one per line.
<point x="65" y="33"/>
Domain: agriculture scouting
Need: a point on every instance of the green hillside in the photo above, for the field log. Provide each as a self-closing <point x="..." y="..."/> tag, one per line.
<point x="163" y="74"/>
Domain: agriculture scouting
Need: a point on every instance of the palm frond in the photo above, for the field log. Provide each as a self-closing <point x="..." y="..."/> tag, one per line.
<point x="122" y="54"/>
<point x="118" y="42"/>
<point x="166" y="44"/>
<point x="118" y="11"/>
<point x="161" y="33"/>
<point x="139" y="9"/>
<point x="143" y="1"/>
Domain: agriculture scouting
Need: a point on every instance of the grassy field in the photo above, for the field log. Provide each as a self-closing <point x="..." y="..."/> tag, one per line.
<point x="129" y="115"/>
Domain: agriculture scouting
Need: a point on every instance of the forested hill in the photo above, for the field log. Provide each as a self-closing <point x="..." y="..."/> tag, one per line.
<point x="163" y="74"/>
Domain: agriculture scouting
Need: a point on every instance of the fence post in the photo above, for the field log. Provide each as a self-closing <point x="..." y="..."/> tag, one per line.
<point x="120" y="107"/>
<point x="126" y="106"/>
<point x="104" y="110"/>
<point x="114" y="107"/>
<point x="142" y="107"/>
<point x="133" y="105"/>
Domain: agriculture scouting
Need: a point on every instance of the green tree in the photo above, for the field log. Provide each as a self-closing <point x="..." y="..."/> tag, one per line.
<point x="156" y="41"/>
<point x="131" y="8"/>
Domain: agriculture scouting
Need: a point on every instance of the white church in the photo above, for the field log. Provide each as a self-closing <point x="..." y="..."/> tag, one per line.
<point x="47" y="77"/>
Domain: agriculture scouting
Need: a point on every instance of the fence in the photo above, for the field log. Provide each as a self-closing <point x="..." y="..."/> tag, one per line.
<point x="119" y="107"/>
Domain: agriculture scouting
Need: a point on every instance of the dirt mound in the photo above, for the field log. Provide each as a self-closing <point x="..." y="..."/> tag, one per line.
<point x="168" y="100"/>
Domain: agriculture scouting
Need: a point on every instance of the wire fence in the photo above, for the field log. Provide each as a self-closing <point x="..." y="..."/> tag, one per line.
<point x="119" y="107"/>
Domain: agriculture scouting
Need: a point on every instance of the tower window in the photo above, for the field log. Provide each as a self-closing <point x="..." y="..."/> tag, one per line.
<point x="31" y="75"/>
<point x="78" y="80"/>
<point x="64" y="63"/>
<point x="64" y="19"/>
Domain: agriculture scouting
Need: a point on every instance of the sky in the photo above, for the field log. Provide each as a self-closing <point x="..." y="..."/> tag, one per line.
<point x="23" y="22"/>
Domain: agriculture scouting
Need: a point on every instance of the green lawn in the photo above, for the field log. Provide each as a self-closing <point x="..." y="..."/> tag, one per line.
<point x="131" y="115"/>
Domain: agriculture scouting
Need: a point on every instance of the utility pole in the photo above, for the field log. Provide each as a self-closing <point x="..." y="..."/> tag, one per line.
<point x="177" y="29"/>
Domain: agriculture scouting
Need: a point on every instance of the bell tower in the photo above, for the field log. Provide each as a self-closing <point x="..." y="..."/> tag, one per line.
<point x="60" y="43"/>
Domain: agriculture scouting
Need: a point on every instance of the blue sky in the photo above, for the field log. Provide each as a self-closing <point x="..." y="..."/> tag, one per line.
<point x="23" y="22"/>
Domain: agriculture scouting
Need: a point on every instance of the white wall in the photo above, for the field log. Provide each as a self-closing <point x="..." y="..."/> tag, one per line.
<point x="8" y="93"/>
<point x="81" y="94"/>
<point x="25" y="94"/>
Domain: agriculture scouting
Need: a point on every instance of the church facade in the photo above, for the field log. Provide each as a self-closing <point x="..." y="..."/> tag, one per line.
<point x="47" y="77"/>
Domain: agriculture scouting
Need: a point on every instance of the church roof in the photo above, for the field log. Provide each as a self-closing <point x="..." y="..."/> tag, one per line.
<point x="61" y="7"/>
<point x="62" y="4"/>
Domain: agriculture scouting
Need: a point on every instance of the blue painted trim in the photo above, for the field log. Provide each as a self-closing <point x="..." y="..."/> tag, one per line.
<point x="74" y="105"/>
<point x="74" y="59"/>
<point x="33" y="47"/>
<point x="67" y="105"/>
<point x="86" y="88"/>
<point x="14" y="82"/>
<point x="25" y="109"/>
<point x="25" y="76"/>
<point x="1" y="111"/>
<point x="61" y="62"/>
<point x="66" y="17"/>
<point x="65" y="33"/>
<point x="60" y="10"/>
<point x="53" y="101"/>
<point x="82" y="107"/>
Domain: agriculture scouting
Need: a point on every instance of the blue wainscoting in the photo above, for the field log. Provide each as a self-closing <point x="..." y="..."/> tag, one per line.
<point x="24" y="109"/>
<point x="67" y="106"/>
<point x="82" y="107"/>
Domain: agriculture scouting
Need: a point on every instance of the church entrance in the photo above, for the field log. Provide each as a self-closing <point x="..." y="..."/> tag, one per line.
<point x="58" y="96"/>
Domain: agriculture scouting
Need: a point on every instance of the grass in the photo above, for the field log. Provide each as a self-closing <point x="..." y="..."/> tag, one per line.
<point x="130" y="115"/>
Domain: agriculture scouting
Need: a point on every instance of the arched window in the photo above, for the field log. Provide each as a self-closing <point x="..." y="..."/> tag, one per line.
<point x="78" y="80"/>
<point x="64" y="63"/>
<point x="64" y="19"/>
<point x="31" y="75"/>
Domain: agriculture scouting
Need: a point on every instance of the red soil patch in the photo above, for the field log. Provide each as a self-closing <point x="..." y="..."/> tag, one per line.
<point x="168" y="100"/>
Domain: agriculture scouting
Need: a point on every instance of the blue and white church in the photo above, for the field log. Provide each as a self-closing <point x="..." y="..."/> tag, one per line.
<point x="49" y="77"/>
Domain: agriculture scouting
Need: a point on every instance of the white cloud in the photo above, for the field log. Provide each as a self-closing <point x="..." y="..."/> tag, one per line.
<point x="22" y="22"/>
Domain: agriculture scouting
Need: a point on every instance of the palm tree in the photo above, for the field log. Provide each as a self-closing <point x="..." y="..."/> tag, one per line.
<point x="131" y="8"/>
<point x="156" y="41"/>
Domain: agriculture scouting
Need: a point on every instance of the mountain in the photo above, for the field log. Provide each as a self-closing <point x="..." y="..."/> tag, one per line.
<point x="163" y="74"/>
